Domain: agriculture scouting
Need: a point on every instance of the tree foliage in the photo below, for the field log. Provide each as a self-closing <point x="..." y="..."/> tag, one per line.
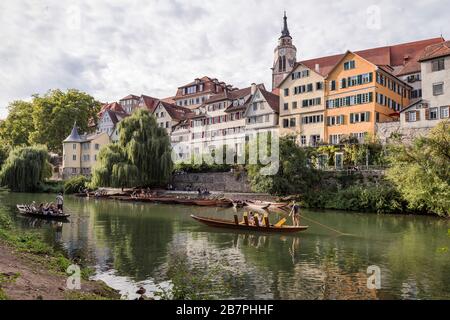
<point x="421" y="171"/>
<point x="26" y="169"/>
<point x="55" y="112"/>
<point x="17" y="127"/>
<point x="142" y="156"/>
<point x="294" y="176"/>
<point x="75" y="184"/>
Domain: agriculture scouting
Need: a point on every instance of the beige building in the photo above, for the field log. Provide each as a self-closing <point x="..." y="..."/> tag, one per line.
<point x="80" y="152"/>
<point x="302" y="106"/>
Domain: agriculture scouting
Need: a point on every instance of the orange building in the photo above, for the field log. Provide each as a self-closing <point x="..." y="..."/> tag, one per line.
<point x="359" y="94"/>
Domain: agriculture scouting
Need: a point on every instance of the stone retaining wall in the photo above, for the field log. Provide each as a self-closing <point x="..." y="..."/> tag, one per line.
<point x="217" y="181"/>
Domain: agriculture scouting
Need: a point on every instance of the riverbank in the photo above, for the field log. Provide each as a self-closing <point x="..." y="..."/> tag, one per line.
<point x="30" y="269"/>
<point x="28" y="276"/>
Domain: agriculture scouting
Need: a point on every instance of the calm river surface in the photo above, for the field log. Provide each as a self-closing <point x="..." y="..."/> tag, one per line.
<point x="130" y="245"/>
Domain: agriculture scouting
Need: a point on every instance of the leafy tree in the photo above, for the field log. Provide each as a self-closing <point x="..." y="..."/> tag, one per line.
<point x="55" y="112"/>
<point x="142" y="156"/>
<point x="294" y="175"/>
<point x="75" y="184"/>
<point x="421" y="171"/>
<point x="26" y="169"/>
<point x="17" y="127"/>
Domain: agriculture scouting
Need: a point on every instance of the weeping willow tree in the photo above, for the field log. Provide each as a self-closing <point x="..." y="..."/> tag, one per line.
<point x="25" y="169"/>
<point x="142" y="156"/>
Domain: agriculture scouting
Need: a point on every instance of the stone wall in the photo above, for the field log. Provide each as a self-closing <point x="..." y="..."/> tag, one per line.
<point x="217" y="181"/>
<point x="387" y="130"/>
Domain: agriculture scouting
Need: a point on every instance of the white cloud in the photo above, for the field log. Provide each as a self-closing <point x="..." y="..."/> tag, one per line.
<point x="113" y="48"/>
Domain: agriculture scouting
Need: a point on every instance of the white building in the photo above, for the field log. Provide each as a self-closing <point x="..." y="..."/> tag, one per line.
<point x="108" y="120"/>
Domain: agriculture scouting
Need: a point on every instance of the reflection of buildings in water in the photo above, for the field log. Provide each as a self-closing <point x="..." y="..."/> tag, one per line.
<point x="324" y="281"/>
<point x="206" y="251"/>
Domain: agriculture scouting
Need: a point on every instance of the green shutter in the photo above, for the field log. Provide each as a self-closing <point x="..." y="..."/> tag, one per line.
<point x="352" y="115"/>
<point x="367" y="116"/>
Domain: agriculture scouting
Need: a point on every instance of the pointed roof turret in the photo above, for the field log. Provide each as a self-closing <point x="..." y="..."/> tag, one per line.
<point x="285" y="31"/>
<point x="74" y="136"/>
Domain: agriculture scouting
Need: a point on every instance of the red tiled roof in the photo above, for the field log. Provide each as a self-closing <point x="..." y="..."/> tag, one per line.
<point x="130" y="96"/>
<point x="116" y="107"/>
<point x="436" y="51"/>
<point x="149" y="102"/>
<point x="169" y="100"/>
<point x="403" y="55"/>
<point x="176" y="112"/>
<point x="272" y="99"/>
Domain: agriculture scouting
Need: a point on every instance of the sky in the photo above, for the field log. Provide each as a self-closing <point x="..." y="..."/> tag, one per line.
<point x="112" y="48"/>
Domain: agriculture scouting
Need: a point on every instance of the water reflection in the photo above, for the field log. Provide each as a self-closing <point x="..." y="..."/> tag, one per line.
<point x="130" y="245"/>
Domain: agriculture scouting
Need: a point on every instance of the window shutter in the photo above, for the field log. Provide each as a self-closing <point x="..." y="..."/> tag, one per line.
<point x="407" y="116"/>
<point x="427" y="114"/>
<point x="418" y="115"/>
<point x="367" y="116"/>
<point x="352" y="120"/>
<point x="370" y="77"/>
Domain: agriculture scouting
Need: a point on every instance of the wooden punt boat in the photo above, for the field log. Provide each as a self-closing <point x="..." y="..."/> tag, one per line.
<point x="220" y="223"/>
<point x="256" y="206"/>
<point x="206" y="202"/>
<point x="27" y="211"/>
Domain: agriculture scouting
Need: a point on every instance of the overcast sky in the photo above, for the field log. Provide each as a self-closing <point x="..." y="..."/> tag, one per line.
<point x="112" y="48"/>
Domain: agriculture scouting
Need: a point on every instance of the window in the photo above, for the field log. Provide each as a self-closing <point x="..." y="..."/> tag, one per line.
<point x="285" y="123"/>
<point x="333" y="85"/>
<point x="74" y="146"/>
<point x="267" y="118"/>
<point x="86" y="157"/>
<point x="294" y="105"/>
<point x="359" y="117"/>
<point x="303" y="140"/>
<point x="286" y="106"/>
<point x="433" y="114"/>
<point x="438" y="65"/>
<point x="74" y="157"/>
<point x="286" y="92"/>
<point x="95" y="157"/>
<point x="438" y="89"/>
<point x="335" y="138"/>
<point x="349" y="65"/>
<point x="412" y="116"/>
<point x="292" y="122"/>
<point x="319" y="85"/>
<point x="445" y="112"/>
<point x="74" y="170"/>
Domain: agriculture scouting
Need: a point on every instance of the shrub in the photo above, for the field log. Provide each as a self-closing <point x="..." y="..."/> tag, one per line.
<point x="75" y="184"/>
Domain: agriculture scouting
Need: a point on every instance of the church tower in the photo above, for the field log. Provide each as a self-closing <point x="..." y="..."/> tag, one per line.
<point x="284" y="56"/>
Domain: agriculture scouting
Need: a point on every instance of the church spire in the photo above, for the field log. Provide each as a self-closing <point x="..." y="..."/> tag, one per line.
<point x="285" y="31"/>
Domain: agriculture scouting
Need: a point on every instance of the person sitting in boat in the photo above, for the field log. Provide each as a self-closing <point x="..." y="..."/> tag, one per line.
<point x="251" y="219"/>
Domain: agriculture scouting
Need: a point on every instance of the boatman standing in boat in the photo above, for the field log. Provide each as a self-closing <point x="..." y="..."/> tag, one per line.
<point x="295" y="212"/>
<point x="60" y="202"/>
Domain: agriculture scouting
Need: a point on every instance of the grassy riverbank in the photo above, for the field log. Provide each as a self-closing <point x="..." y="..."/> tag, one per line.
<point x="30" y="269"/>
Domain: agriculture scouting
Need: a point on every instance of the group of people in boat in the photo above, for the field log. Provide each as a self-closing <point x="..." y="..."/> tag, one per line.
<point x="294" y="214"/>
<point x="143" y="193"/>
<point x="48" y="208"/>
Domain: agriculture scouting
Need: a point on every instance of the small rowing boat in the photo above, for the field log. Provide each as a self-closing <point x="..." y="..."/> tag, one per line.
<point x="28" y="211"/>
<point x="220" y="223"/>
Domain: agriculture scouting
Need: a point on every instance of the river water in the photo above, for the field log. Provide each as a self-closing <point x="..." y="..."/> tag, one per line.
<point x="131" y="245"/>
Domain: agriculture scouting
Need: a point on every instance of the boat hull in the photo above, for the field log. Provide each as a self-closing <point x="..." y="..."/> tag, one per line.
<point x="28" y="213"/>
<point x="218" y="223"/>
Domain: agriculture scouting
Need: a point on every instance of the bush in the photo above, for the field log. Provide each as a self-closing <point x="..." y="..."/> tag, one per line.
<point x="75" y="184"/>
<point x="51" y="187"/>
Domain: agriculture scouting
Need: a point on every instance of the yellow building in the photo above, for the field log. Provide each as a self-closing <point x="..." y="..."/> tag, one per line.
<point x="80" y="152"/>
<point x="302" y="106"/>
<point x="358" y="95"/>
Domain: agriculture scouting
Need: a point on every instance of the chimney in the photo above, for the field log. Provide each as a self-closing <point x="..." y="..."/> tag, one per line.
<point x="253" y="90"/>
<point x="317" y="68"/>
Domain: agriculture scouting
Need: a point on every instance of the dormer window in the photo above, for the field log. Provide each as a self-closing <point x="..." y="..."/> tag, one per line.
<point x="349" y="65"/>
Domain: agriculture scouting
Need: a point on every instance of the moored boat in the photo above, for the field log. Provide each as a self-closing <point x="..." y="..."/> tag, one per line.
<point x="256" y="206"/>
<point x="220" y="223"/>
